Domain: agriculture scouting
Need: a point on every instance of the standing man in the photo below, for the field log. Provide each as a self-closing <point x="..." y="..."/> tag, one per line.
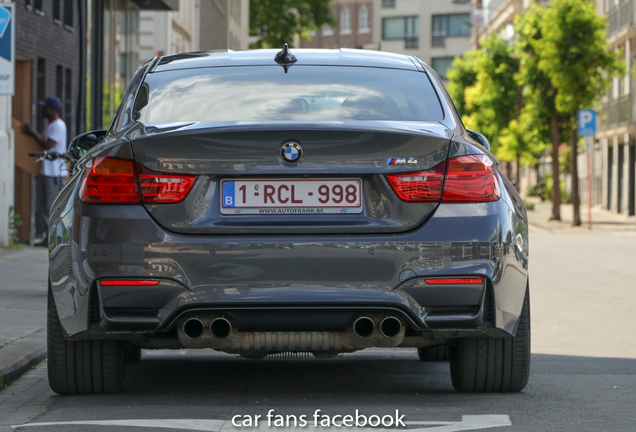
<point x="53" y="173"/>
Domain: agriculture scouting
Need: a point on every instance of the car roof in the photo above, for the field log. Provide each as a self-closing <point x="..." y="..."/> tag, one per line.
<point x="265" y="57"/>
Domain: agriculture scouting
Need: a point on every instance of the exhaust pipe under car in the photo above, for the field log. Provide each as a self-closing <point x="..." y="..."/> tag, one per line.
<point x="390" y="327"/>
<point x="193" y="328"/>
<point x="220" y="328"/>
<point x="363" y="327"/>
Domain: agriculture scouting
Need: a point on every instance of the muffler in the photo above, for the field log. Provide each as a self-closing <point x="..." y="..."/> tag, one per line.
<point x="193" y="328"/>
<point x="220" y="328"/>
<point x="363" y="327"/>
<point x="390" y="327"/>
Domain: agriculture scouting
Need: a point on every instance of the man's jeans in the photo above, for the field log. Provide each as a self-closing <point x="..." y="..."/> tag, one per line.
<point x="48" y="190"/>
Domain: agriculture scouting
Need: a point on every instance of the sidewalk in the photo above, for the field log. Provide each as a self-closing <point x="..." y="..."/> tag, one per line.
<point x="23" y="291"/>
<point x="603" y="221"/>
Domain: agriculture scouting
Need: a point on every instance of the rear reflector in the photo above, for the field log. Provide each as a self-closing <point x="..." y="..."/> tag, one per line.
<point x="454" y="281"/>
<point x="133" y="282"/>
<point x="423" y="186"/>
<point x="159" y="188"/>
<point x="470" y="179"/>
<point x="110" y="180"/>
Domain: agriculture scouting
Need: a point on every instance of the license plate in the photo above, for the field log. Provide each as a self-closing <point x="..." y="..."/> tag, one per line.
<point x="291" y="197"/>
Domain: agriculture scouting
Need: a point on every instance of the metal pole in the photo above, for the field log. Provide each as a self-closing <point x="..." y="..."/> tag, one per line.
<point x="588" y="140"/>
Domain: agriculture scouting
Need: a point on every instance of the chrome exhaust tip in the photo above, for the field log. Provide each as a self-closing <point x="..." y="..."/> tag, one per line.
<point x="193" y="328"/>
<point x="220" y="328"/>
<point x="390" y="327"/>
<point x="363" y="327"/>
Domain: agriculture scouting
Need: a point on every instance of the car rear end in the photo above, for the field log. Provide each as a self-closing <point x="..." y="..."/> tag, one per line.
<point x="255" y="210"/>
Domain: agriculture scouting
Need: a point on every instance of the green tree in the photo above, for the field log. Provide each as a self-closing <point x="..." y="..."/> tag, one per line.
<point x="278" y="21"/>
<point x="493" y="100"/>
<point x="573" y="54"/>
<point x="461" y="75"/>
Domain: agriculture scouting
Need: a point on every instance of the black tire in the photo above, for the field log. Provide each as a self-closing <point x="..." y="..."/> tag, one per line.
<point x="483" y="364"/>
<point x="438" y="353"/>
<point x="132" y="354"/>
<point x="81" y="367"/>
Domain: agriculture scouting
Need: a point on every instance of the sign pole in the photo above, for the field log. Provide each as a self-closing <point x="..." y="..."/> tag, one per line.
<point x="589" y="182"/>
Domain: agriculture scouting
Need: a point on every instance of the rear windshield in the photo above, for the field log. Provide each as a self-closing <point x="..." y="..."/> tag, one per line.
<point x="305" y="93"/>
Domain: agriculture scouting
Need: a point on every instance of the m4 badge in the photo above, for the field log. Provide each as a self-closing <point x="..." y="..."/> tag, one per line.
<point x="401" y="161"/>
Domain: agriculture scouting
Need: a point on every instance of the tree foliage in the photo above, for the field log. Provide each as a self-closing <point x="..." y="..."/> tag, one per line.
<point x="278" y="21"/>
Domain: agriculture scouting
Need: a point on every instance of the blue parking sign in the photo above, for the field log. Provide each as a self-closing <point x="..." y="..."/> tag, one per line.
<point x="587" y="122"/>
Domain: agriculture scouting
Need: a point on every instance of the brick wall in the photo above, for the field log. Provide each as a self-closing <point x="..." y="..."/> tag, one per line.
<point x="38" y="36"/>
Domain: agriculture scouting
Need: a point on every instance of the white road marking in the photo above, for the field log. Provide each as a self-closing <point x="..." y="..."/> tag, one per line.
<point x="469" y="422"/>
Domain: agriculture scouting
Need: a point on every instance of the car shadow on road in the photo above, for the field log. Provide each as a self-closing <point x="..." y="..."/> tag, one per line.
<point x="356" y="375"/>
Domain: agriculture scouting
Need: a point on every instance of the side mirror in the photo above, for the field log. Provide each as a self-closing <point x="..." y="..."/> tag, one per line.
<point x="479" y="138"/>
<point x="83" y="143"/>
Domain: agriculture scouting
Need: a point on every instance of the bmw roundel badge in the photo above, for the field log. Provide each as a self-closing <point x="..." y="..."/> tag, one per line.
<point x="291" y="152"/>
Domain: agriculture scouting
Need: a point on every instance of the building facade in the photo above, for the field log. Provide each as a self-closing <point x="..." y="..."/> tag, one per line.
<point x="47" y="38"/>
<point x="614" y="185"/>
<point x="197" y="25"/>
<point x="435" y="31"/>
<point x="354" y="29"/>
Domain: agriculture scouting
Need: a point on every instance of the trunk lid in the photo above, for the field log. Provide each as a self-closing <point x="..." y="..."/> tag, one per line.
<point x="331" y="150"/>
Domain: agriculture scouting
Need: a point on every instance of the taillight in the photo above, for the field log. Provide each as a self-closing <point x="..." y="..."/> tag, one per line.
<point x="110" y="180"/>
<point x="160" y="188"/>
<point x="470" y="179"/>
<point x="422" y="186"/>
<point x="464" y="179"/>
<point x="117" y="181"/>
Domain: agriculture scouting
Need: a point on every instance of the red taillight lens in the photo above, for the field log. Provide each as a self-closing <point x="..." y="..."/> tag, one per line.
<point x="110" y="180"/>
<point x="160" y="188"/>
<point x="454" y="281"/>
<point x="114" y="181"/>
<point x="133" y="282"/>
<point x="423" y="186"/>
<point x="470" y="179"/>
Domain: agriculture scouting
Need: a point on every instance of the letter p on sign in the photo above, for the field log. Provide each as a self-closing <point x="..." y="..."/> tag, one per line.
<point x="587" y="122"/>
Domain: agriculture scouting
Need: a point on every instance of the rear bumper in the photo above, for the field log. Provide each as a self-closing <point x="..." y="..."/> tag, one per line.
<point x="264" y="273"/>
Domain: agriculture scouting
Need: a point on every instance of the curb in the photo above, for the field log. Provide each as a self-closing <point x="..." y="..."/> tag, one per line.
<point x="544" y="227"/>
<point x="20" y="355"/>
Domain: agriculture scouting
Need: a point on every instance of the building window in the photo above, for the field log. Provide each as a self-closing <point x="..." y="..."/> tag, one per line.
<point x="345" y="21"/>
<point x="37" y="6"/>
<point x="441" y="65"/>
<point x="68" y="96"/>
<point x="59" y="81"/>
<point x="68" y="13"/>
<point x="40" y="89"/>
<point x="27" y="4"/>
<point x="57" y="10"/>
<point x="388" y="3"/>
<point x="406" y="28"/>
<point x="449" y="26"/>
<point x="364" y="20"/>
<point x="326" y="30"/>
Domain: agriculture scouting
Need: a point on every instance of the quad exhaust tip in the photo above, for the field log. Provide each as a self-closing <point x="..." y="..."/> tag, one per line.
<point x="220" y="328"/>
<point x="390" y="327"/>
<point x="193" y="328"/>
<point x="363" y="327"/>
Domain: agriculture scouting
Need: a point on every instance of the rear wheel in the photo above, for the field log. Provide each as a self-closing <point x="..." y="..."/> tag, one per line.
<point x="481" y="365"/>
<point x="81" y="367"/>
<point x="437" y="353"/>
<point x="132" y="354"/>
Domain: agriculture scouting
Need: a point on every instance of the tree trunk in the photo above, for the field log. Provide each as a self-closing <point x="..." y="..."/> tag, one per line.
<point x="556" y="181"/>
<point x="576" y="205"/>
<point x="509" y="169"/>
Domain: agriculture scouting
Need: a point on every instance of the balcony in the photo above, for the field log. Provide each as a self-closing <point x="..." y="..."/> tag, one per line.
<point x="617" y="113"/>
<point x="620" y="20"/>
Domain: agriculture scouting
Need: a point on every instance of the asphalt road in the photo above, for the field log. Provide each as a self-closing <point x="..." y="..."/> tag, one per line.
<point x="583" y="374"/>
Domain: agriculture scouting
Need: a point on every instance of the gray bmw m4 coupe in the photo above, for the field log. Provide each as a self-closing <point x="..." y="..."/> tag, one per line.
<point x="305" y="201"/>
